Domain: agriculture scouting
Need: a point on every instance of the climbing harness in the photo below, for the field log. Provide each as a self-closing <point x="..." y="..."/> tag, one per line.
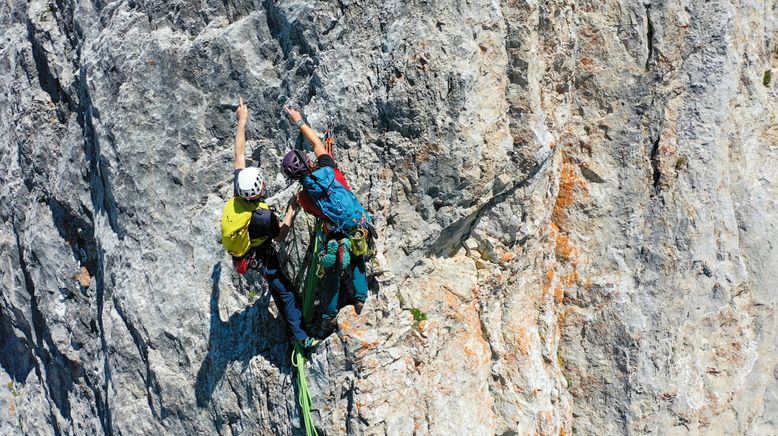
<point x="257" y="264"/>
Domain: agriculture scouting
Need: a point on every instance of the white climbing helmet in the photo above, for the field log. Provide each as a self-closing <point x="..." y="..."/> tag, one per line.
<point x="251" y="184"/>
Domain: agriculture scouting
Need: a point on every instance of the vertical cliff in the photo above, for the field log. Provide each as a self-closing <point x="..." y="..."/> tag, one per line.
<point x="579" y="197"/>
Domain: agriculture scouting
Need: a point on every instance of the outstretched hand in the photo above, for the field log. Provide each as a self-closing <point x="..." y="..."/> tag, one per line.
<point x="293" y="115"/>
<point x="242" y="112"/>
<point x="307" y="131"/>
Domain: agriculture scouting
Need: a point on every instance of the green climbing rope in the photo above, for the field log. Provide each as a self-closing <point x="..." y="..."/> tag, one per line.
<point x="303" y="397"/>
<point x="298" y="354"/>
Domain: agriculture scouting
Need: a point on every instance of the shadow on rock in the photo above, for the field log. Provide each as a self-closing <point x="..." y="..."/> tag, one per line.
<point x="244" y="335"/>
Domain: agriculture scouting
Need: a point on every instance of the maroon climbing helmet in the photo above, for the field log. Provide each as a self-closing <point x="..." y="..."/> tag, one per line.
<point x="295" y="164"/>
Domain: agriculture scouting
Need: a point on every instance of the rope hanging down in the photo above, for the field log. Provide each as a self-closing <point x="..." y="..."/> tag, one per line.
<point x="303" y="397"/>
<point x="298" y="355"/>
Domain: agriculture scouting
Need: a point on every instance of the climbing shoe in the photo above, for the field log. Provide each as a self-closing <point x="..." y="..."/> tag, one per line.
<point x="309" y="343"/>
<point x="328" y="325"/>
<point x="330" y="256"/>
<point x="358" y="306"/>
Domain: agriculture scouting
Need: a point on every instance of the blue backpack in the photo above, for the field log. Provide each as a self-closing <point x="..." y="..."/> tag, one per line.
<point x="336" y="202"/>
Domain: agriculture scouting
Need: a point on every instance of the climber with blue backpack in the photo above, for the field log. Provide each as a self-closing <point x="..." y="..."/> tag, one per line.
<point x="347" y="225"/>
<point x="248" y="227"/>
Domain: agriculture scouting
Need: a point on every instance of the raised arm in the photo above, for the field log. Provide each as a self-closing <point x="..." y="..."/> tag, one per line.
<point x="240" y="135"/>
<point x="308" y="132"/>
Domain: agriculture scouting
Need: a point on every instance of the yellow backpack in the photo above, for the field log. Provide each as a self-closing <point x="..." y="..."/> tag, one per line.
<point x="235" y="225"/>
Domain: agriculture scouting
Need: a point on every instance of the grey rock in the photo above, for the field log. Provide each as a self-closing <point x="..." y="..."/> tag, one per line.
<point x="578" y="197"/>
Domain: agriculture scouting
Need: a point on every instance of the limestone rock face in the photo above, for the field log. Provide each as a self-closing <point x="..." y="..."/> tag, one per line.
<point x="576" y="204"/>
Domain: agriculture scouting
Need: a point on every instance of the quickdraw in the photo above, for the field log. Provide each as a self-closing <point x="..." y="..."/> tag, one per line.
<point x="329" y="141"/>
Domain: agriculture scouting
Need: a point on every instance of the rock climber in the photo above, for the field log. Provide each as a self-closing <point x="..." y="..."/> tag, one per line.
<point x="248" y="238"/>
<point x="326" y="195"/>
